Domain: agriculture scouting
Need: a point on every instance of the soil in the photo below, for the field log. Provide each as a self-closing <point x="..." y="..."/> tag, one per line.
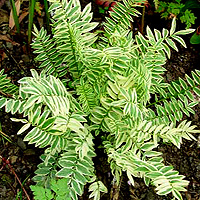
<point x="17" y="60"/>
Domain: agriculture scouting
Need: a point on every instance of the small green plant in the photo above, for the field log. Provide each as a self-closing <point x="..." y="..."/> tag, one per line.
<point x="110" y="87"/>
<point x="57" y="190"/>
<point x="177" y="9"/>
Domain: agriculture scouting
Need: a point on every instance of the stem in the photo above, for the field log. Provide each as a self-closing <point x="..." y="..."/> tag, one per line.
<point x="7" y="162"/>
<point x="12" y="58"/>
<point x="15" y="17"/>
<point x="47" y="15"/>
<point x="30" y="18"/>
<point x="114" y="195"/>
<point x="115" y="192"/>
<point x="5" y="136"/>
<point x="19" y="181"/>
<point x="142" y="22"/>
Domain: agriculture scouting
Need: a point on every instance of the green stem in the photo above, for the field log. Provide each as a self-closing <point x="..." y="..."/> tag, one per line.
<point x="16" y="19"/>
<point x="30" y="18"/>
<point x="47" y="15"/>
<point x="142" y="23"/>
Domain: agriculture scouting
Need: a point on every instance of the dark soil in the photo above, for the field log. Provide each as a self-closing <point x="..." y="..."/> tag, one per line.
<point x="17" y="60"/>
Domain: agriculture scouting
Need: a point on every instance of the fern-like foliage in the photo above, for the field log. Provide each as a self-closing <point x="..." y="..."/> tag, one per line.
<point x="117" y="88"/>
<point x="122" y="16"/>
<point x="54" y="120"/>
<point x="6" y="87"/>
<point x="86" y="96"/>
<point x="176" y="99"/>
<point x="64" y="52"/>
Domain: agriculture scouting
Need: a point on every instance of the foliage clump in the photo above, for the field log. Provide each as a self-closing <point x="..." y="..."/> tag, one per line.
<point x="58" y="190"/>
<point x="107" y="85"/>
<point x="178" y="9"/>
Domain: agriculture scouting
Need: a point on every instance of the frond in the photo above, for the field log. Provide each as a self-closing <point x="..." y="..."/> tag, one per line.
<point x="155" y="45"/>
<point x="47" y="169"/>
<point x="72" y="32"/>
<point x="86" y="96"/>
<point x="67" y="165"/>
<point x="12" y="105"/>
<point x="52" y="123"/>
<point x="44" y="100"/>
<point x="78" y="171"/>
<point x="47" y="90"/>
<point x="165" y="178"/>
<point x="6" y="87"/>
<point x="121" y="16"/>
<point x="49" y="56"/>
<point x="146" y="136"/>
<point x="175" y="100"/>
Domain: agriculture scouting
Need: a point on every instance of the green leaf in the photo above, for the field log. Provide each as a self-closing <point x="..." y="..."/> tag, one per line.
<point x="43" y="171"/>
<point x="190" y="81"/>
<point x="143" y="169"/>
<point x="196" y="77"/>
<point x="183" y="83"/>
<point x="79" y="177"/>
<point x="82" y="169"/>
<point x="153" y="175"/>
<point x="102" y="187"/>
<point x="9" y="105"/>
<point x="180" y="40"/>
<point x="148" y="146"/>
<point x="167" y="49"/>
<point x="157" y="34"/>
<point x="173" y="26"/>
<point x="143" y="40"/>
<point x="166" y="169"/>
<point x="184" y="32"/>
<point x="150" y="34"/>
<point x="171" y="44"/>
<point x="177" y="194"/>
<point x="66" y="163"/>
<point x="73" y="194"/>
<point x="96" y="188"/>
<point x="165" y="33"/>
<point x="195" y="39"/>
<point x="197" y="91"/>
<point x="189" y="95"/>
<point x="48" y="123"/>
<point x="41" y="193"/>
<point x="88" y="27"/>
<point x="2" y="102"/>
<point x="176" y="86"/>
<point x="165" y="190"/>
<point x="64" y="172"/>
<point x="23" y="128"/>
<point x="76" y="186"/>
<point x="152" y="153"/>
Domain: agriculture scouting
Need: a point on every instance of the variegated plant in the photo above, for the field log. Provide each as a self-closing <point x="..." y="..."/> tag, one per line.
<point x="109" y="83"/>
